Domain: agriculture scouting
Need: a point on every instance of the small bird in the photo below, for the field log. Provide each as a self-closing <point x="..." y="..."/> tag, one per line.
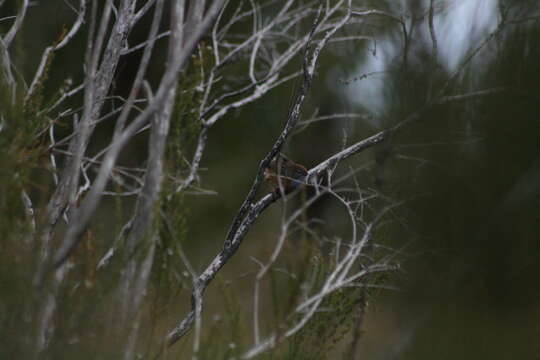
<point x="284" y="174"/>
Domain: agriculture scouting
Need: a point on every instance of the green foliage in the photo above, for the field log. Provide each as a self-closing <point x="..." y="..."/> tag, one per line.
<point x="186" y="125"/>
<point x="23" y="144"/>
<point x="20" y="155"/>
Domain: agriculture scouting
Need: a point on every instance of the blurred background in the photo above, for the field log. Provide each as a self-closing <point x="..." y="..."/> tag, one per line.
<point x="468" y="172"/>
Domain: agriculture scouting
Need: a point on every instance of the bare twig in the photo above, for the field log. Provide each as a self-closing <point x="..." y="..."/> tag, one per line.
<point x="49" y="50"/>
<point x="434" y="50"/>
<point x="16" y="24"/>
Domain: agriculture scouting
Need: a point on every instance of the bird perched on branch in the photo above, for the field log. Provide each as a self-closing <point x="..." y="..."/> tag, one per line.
<point x="284" y="174"/>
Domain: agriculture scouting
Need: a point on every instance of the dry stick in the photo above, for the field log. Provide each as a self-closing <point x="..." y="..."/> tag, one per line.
<point x="240" y="219"/>
<point x="143" y="10"/>
<point x="193" y="17"/>
<point x="309" y="69"/>
<point x="136" y="274"/>
<point x="6" y="70"/>
<point x="286" y="224"/>
<point x="50" y="49"/>
<point x="5" y="43"/>
<point x="260" y="87"/>
<point x="471" y="95"/>
<point x="434" y="50"/>
<point x="16" y="24"/>
<point x="64" y="194"/>
<point x="92" y="200"/>
<point x="432" y="33"/>
<point x="249" y="211"/>
<point x="97" y="83"/>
